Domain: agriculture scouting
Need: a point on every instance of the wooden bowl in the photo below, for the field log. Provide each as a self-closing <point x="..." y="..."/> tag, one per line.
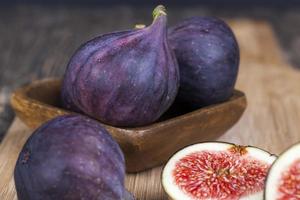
<point x="144" y="147"/>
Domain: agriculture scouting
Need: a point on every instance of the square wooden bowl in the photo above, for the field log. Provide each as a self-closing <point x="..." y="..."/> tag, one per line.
<point x="143" y="147"/>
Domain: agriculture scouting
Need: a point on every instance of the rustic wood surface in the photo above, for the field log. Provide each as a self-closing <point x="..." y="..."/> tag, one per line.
<point x="271" y="120"/>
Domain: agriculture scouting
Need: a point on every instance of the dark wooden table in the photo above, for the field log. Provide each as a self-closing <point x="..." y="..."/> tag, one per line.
<point x="37" y="41"/>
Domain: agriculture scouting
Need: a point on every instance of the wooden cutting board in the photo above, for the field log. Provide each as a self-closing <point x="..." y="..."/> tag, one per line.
<point x="271" y="121"/>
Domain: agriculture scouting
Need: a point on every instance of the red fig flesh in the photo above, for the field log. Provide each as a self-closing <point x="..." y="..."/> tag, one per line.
<point x="216" y="170"/>
<point x="127" y="78"/>
<point x="283" y="181"/>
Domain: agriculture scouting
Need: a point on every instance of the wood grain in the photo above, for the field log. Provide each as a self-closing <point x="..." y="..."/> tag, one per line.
<point x="271" y="120"/>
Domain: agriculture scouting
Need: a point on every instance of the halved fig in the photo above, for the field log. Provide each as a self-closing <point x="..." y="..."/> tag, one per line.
<point x="217" y="170"/>
<point x="283" y="180"/>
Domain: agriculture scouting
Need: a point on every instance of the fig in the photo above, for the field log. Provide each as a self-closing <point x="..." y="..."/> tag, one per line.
<point x="71" y="157"/>
<point x="216" y="170"/>
<point x="208" y="57"/>
<point x="283" y="180"/>
<point x="128" y="78"/>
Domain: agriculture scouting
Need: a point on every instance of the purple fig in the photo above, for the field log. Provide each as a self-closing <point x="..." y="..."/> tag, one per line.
<point x="127" y="78"/>
<point x="71" y="158"/>
<point x="208" y="57"/>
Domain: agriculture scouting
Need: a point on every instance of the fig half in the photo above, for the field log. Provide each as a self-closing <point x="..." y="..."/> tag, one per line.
<point x="283" y="180"/>
<point x="216" y="170"/>
<point x="128" y="78"/>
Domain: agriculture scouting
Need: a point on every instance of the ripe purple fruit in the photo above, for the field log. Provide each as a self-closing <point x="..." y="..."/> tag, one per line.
<point x="127" y="78"/>
<point x="71" y="158"/>
<point x="208" y="57"/>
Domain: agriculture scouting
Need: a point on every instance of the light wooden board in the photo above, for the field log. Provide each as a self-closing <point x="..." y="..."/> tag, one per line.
<point x="271" y="121"/>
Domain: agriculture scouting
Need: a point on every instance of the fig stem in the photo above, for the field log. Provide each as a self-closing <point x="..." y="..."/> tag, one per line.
<point x="159" y="11"/>
<point x="139" y="26"/>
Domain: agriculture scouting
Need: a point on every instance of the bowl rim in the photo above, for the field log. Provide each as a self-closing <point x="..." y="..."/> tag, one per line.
<point x="23" y="94"/>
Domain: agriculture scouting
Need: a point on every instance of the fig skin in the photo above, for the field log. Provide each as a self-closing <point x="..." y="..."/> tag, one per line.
<point x="68" y="158"/>
<point x="127" y="78"/>
<point x="208" y="56"/>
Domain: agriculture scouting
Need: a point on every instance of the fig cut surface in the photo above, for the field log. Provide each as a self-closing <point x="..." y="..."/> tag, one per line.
<point x="283" y="180"/>
<point x="216" y="170"/>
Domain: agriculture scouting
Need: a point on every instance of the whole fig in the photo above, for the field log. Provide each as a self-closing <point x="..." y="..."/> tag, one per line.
<point x="208" y="57"/>
<point x="70" y="158"/>
<point x="127" y="78"/>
